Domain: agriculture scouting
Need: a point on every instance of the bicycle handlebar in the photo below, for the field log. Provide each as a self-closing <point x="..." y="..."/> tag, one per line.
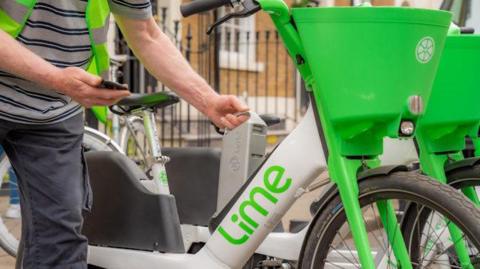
<point x="198" y="6"/>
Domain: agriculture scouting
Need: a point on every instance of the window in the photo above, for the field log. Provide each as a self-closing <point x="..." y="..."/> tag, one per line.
<point x="237" y="42"/>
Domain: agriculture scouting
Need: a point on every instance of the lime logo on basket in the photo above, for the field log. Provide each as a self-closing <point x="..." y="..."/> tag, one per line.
<point x="274" y="184"/>
<point x="425" y="49"/>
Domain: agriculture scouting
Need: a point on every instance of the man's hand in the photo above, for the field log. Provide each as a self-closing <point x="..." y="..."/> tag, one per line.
<point x="82" y="87"/>
<point x="221" y="110"/>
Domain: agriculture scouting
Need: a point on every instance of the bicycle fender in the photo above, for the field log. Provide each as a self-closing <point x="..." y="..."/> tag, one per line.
<point x="467" y="162"/>
<point x="331" y="191"/>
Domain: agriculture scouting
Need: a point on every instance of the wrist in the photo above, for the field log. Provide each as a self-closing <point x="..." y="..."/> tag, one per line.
<point x="209" y="98"/>
<point x="54" y="79"/>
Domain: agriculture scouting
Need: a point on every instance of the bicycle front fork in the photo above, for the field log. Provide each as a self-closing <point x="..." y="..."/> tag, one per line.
<point x="345" y="176"/>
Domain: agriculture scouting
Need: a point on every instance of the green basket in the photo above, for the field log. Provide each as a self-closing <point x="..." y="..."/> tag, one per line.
<point x="368" y="61"/>
<point x="453" y="111"/>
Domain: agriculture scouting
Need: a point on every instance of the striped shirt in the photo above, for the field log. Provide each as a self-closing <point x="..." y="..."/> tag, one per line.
<point x="57" y="32"/>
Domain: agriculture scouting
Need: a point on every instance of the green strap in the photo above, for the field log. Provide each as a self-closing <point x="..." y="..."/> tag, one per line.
<point x="14" y="15"/>
<point x="27" y="3"/>
<point x="97" y="18"/>
<point x="101" y="113"/>
<point x="8" y="25"/>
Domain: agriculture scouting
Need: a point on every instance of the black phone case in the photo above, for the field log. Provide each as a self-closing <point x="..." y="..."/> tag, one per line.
<point x="112" y="85"/>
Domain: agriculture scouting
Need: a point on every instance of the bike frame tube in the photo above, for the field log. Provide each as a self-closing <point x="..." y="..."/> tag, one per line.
<point x="159" y="172"/>
<point x="394" y="233"/>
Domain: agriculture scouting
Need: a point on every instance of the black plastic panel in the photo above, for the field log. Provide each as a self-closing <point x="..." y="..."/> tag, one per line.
<point x="125" y="214"/>
<point x="193" y="179"/>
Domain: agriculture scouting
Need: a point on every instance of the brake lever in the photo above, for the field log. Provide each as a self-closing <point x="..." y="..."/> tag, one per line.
<point x="249" y="7"/>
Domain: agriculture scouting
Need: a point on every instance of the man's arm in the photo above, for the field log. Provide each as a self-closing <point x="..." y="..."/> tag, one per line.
<point x="166" y="63"/>
<point x="72" y="81"/>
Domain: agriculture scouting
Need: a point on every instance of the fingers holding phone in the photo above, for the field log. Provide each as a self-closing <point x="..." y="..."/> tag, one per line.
<point x="110" y="85"/>
<point x="87" y="89"/>
<point x="112" y="92"/>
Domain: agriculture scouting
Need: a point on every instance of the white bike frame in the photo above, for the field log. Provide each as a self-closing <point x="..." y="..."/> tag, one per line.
<point x="284" y="176"/>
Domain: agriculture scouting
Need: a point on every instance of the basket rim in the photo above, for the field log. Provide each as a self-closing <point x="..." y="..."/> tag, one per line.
<point x="385" y="14"/>
<point x="463" y="41"/>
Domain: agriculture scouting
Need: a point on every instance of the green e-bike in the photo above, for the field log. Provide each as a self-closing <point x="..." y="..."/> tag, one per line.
<point x="369" y="71"/>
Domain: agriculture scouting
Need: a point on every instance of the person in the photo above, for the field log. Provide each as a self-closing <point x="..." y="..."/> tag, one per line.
<point x="46" y="49"/>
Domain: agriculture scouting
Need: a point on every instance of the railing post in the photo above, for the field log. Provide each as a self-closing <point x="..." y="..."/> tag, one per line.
<point x="216" y="56"/>
<point x="188" y="55"/>
<point x="228" y="48"/>
<point x="178" y="112"/>
<point x="237" y="42"/>
<point x="247" y="67"/>
<point x="164" y="18"/>
<point x="257" y="44"/>
<point x="267" y="38"/>
<point x="277" y="43"/>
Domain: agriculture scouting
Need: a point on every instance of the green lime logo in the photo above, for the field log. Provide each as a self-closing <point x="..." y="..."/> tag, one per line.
<point x="273" y="185"/>
<point x="163" y="177"/>
<point x="425" y="49"/>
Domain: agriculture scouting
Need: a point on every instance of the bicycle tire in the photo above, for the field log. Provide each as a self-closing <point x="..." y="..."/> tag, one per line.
<point x="409" y="186"/>
<point x="468" y="176"/>
<point x="98" y="141"/>
<point x="8" y="242"/>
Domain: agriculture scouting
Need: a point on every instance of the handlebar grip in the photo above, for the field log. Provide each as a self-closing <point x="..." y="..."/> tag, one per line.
<point x="197" y="6"/>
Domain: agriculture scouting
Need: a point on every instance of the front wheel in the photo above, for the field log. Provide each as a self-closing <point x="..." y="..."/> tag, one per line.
<point x="464" y="178"/>
<point x="330" y="243"/>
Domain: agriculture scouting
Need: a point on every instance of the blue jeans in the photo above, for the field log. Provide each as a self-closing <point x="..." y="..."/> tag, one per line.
<point x="12" y="184"/>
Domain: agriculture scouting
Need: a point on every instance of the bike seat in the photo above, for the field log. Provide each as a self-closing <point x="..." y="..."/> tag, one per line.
<point x="148" y="100"/>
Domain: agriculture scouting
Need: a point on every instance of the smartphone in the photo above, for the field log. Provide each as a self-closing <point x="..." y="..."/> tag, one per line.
<point x="112" y="85"/>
